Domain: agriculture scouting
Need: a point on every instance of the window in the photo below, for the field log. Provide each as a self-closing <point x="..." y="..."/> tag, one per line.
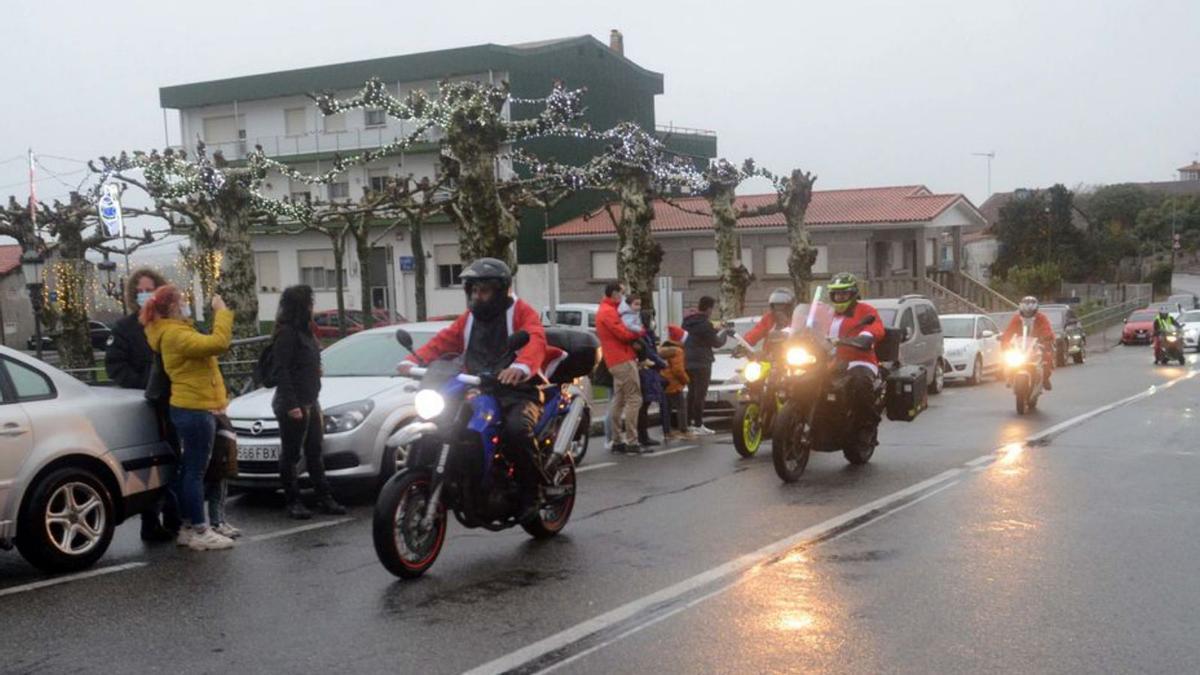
<point x="266" y="271"/>
<point x="317" y="270"/>
<point x="777" y="260"/>
<point x="604" y="264"/>
<point x="568" y="318"/>
<point x="449" y="265"/>
<point x="302" y="197"/>
<point x="335" y="123"/>
<point x="591" y="320"/>
<point x="907" y="326"/>
<point x="377" y="179"/>
<point x="29" y="384"/>
<point x="339" y="190"/>
<point x="220" y="129"/>
<point x="748" y="259"/>
<point x="295" y="122"/>
<point x="376" y="118"/>
<point x="927" y="318"/>
<point x="704" y="262"/>
<point x="986" y="324"/>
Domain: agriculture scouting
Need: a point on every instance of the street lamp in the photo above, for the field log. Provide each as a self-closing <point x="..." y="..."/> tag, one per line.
<point x="31" y="268"/>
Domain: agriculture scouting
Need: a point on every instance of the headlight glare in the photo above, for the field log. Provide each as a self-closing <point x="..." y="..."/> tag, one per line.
<point x="1014" y="358"/>
<point x="429" y="404"/>
<point x="753" y="371"/>
<point x="799" y="356"/>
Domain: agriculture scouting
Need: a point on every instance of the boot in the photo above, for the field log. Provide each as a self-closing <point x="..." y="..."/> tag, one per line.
<point x="328" y="505"/>
<point x="298" y="511"/>
<point x="153" y="531"/>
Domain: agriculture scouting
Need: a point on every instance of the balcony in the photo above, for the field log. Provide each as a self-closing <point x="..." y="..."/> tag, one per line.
<point x="319" y="144"/>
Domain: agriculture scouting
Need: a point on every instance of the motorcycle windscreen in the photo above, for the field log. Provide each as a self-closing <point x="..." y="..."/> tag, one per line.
<point x="815" y="316"/>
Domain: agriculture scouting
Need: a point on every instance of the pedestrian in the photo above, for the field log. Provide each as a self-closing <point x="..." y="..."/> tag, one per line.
<point x="296" y="362"/>
<point x="616" y="343"/>
<point x="650" y="378"/>
<point x="221" y="466"/>
<point x="698" y="355"/>
<point x="197" y="395"/>
<point x="128" y="360"/>
<point x="676" y="378"/>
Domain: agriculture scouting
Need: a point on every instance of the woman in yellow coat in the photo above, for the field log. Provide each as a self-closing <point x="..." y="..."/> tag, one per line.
<point x="197" y="393"/>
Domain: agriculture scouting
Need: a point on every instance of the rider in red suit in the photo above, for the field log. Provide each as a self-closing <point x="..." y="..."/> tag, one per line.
<point x="858" y="326"/>
<point x="1041" y="330"/>
<point x="780" y="304"/>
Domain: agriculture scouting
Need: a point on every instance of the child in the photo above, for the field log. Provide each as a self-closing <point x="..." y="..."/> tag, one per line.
<point x="676" y="376"/>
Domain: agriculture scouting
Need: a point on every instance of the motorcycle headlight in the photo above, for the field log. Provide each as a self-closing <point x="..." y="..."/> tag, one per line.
<point x="1014" y="358"/>
<point x="753" y="371"/>
<point x="429" y="404"/>
<point x="342" y="418"/>
<point x="1171" y="338"/>
<point x="799" y="356"/>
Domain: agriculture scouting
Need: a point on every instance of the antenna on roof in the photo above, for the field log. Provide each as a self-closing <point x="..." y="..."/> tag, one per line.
<point x="990" y="156"/>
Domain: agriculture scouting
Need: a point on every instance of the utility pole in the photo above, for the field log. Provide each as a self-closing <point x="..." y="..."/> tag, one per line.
<point x="990" y="156"/>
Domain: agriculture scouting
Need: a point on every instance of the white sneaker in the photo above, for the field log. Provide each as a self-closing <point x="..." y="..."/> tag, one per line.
<point x="695" y="431"/>
<point x="227" y="530"/>
<point x="185" y="535"/>
<point x="704" y="431"/>
<point x="209" y="540"/>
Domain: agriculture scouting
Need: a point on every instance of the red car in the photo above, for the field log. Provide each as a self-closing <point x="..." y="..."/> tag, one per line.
<point x="1139" y="327"/>
<point x="327" y="322"/>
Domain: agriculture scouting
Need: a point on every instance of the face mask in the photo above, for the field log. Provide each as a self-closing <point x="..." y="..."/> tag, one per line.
<point x="185" y="311"/>
<point x="144" y="296"/>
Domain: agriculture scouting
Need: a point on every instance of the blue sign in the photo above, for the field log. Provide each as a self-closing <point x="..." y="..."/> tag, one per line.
<point x="407" y="263"/>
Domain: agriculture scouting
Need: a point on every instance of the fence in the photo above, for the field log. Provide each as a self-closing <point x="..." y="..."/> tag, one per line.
<point x="1107" y="293"/>
<point x="239" y="375"/>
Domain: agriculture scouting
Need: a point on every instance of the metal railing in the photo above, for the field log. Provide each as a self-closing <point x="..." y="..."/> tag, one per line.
<point x="314" y="142"/>
<point x="1100" y="321"/>
<point x="238" y="374"/>
<point x="672" y="129"/>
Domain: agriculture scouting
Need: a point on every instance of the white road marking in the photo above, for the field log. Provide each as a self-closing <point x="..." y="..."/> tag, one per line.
<point x="593" y="467"/>
<point x="297" y="530"/>
<point x="564" y="638"/>
<point x="664" y="453"/>
<point x="13" y="590"/>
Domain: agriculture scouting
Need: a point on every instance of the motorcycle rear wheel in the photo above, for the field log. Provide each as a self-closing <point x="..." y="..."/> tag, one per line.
<point x="748" y="429"/>
<point x="1021" y="391"/>
<point x="401" y="546"/>
<point x="791" y="443"/>
<point x="860" y="455"/>
<point x="554" y="516"/>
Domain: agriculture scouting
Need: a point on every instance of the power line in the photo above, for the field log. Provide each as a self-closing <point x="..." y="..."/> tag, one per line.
<point x="65" y="159"/>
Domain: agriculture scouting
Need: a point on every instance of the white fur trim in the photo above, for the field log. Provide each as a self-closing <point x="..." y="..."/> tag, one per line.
<point x="523" y="368"/>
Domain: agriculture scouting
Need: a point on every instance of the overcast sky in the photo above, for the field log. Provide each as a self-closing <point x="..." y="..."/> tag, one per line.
<point x="861" y="93"/>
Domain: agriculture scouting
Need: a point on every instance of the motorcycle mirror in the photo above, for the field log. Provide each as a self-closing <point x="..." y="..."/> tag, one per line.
<point x="404" y="339"/>
<point x="987" y="334"/>
<point x="517" y="340"/>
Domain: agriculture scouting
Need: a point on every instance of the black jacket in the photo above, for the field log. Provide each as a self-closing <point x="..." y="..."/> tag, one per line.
<point x="296" y="356"/>
<point x="128" y="356"/>
<point x="702" y="339"/>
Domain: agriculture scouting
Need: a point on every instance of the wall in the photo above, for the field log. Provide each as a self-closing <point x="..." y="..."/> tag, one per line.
<point x="17" y="310"/>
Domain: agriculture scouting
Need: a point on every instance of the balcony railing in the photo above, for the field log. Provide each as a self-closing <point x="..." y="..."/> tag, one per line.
<point x="317" y="142"/>
<point x="672" y="129"/>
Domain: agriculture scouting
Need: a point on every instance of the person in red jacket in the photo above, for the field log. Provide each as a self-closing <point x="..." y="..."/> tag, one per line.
<point x="1041" y="330"/>
<point x="858" y="333"/>
<point x="780" y="305"/>
<point x="480" y="335"/>
<point x="616" y="343"/>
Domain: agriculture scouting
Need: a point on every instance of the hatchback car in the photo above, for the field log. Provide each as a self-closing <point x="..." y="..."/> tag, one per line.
<point x="972" y="346"/>
<point x="75" y="461"/>
<point x="1181" y="302"/>
<point x="923" y="345"/>
<point x="363" y="401"/>
<point x="1139" y="327"/>
<point x="1070" y="342"/>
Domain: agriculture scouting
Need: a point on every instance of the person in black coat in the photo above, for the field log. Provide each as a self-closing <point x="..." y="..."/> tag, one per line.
<point x="702" y="339"/>
<point x="296" y="364"/>
<point x="128" y="361"/>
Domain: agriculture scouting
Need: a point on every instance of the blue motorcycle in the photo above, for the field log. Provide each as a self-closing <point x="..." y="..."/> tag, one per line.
<point x="457" y="463"/>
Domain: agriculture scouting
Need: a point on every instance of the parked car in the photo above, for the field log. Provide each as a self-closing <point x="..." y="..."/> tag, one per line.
<point x="1139" y="327"/>
<point x="1182" y="302"/>
<point x="574" y="314"/>
<point x="363" y="400"/>
<point x="923" y="343"/>
<point x="1191" y="329"/>
<point x="327" y="322"/>
<point x="98" y="334"/>
<point x="1070" y="341"/>
<point x="727" y="371"/>
<point x="972" y="344"/>
<point x="75" y="461"/>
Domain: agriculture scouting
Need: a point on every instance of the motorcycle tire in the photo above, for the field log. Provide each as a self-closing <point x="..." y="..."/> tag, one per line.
<point x="748" y="429"/>
<point x="1182" y="360"/>
<point x="1080" y="357"/>
<point x="1022" y="395"/>
<point x="860" y="455"/>
<point x="554" y="516"/>
<point x="790" y="444"/>
<point x="398" y="511"/>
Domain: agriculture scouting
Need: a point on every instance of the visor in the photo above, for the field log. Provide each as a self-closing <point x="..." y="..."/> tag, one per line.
<point x="842" y="295"/>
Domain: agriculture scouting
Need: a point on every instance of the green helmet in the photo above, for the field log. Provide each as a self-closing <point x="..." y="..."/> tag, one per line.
<point x="843" y="292"/>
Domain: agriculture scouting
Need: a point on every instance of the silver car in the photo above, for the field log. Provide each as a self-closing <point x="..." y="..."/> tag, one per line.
<point x="923" y="343"/>
<point x="75" y="461"/>
<point x="364" y="403"/>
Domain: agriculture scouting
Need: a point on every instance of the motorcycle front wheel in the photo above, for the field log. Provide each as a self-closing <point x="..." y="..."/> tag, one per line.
<point x="747" y="429"/>
<point x="404" y="544"/>
<point x="1021" y="391"/>
<point x="791" y="443"/>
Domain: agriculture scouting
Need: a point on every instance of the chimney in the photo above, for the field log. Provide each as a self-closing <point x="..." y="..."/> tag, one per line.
<point x="616" y="42"/>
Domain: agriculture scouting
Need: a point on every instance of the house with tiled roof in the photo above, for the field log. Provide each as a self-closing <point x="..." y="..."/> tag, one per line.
<point x="897" y="238"/>
<point x="16" y="312"/>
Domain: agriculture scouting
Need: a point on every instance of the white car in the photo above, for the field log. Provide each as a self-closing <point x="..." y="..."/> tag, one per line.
<point x="364" y="403"/>
<point x="972" y="346"/>
<point x="574" y="314"/>
<point x="727" y="370"/>
<point x="1191" y="329"/>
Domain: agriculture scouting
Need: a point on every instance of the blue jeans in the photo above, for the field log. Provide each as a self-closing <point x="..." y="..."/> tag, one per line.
<point x="197" y="430"/>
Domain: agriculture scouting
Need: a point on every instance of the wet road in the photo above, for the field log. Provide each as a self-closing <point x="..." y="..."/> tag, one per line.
<point x="960" y="547"/>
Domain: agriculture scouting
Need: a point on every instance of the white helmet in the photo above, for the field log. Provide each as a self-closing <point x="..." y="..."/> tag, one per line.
<point x="781" y="296"/>
<point x="1028" y="306"/>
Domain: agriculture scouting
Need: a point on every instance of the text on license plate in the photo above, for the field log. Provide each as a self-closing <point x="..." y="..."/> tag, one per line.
<point x="258" y="453"/>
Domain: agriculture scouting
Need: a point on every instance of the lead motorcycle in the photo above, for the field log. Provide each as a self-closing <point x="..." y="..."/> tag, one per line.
<point x="817" y="415"/>
<point x="457" y="463"/>
<point x="1023" y="368"/>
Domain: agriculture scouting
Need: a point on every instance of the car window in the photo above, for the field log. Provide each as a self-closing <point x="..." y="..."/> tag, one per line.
<point x="369" y="354"/>
<point x="29" y="384"/>
<point x="927" y="318"/>
<point x="591" y="320"/>
<point x="569" y="318"/>
<point x="907" y="324"/>
<point x="888" y="316"/>
<point x="958" y="327"/>
<point x="1190" y="317"/>
<point x="986" y="324"/>
<point x="1142" y="316"/>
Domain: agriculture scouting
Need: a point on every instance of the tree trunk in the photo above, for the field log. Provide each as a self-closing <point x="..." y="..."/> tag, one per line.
<point x="486" y="229"/>
<point x="418" y="253"/>
<point x="735" y="278"/>
<point x="236" y="280"/>
<point x="74" y="343"/>
<point x="339" y="267"/>
<point x="638" y="255"/>
<point x="801" y="254"/>
<point x="362" y="247"/>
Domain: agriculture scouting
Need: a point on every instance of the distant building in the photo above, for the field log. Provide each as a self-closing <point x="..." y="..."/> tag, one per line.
<point x="273" y="110"/>
<point x="16" y="312"/>
<point x="1191" y="172"/>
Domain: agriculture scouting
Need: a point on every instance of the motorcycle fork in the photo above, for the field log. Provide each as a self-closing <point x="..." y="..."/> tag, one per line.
<point x="439" y="480"/>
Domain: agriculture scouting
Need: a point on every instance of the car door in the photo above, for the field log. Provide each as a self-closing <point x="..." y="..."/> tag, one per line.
<point x="910" y="349"/>
<point x="989" y="343"/>
<point x="17" y="383"/>
<point x="931" y="335"/>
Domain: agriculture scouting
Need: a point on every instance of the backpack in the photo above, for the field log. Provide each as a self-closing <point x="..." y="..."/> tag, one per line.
<point x="264" y="370"/>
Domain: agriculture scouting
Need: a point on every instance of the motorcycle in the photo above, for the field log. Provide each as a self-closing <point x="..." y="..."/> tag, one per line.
<point x="759" y="401"/>
<point x="1169" y="347"/>
<point x="816" y="414"/>
<point x="1024" y="370"/>
<point x="457" y="463"/>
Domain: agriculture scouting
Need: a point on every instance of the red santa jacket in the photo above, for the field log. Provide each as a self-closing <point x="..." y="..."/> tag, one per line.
<point x="848" y="326"/>
<point x="765" y="325"/>
<point x="1042" y="330"/>
<point x="453" y="339"/>
<point x="616" y="340"/>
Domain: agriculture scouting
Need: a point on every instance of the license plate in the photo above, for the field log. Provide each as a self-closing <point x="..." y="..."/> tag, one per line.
<point x="258" y="453"/>
<point x="714" y="396"/>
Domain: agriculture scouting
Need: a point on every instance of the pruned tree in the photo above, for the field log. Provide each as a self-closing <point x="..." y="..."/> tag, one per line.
<point x="412" y="202"/>
<point x="793" y="194"/>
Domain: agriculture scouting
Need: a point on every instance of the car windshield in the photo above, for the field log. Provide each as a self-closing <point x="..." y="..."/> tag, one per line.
<point x="888" y="316"/>
<point x="1057" y="317"/>
<point x="369" y="354"/>
<point x="958" y="327"/>
<point x="1190" y="317"/>
<point x="1144" y="315"/>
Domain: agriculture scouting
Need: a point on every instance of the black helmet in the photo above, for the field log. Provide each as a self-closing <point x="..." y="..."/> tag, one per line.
<point x="486" y="269"/>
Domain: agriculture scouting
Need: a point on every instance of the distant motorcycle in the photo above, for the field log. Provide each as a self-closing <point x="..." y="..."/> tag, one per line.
<point x="1023" y="368"/>
<point x="1169" y="347"/>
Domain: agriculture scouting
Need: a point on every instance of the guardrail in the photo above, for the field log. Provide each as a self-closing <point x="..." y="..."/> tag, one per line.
<point x="1101" y="320"/>
<point x="238" y="374"/>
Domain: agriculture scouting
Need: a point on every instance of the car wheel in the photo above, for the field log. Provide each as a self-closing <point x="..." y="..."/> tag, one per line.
<point x="68" y="521"/>
<point x="939" y="378"/>
<point x="976" y="372"/>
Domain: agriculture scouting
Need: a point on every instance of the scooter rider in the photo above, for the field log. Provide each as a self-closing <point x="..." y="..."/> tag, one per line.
<point x="780" y="304"/>
<point x="1042" y="331"/>
<point x="857" y="347"/>
<point x="480" y="334"/>
<point x="1164" y="323"/>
